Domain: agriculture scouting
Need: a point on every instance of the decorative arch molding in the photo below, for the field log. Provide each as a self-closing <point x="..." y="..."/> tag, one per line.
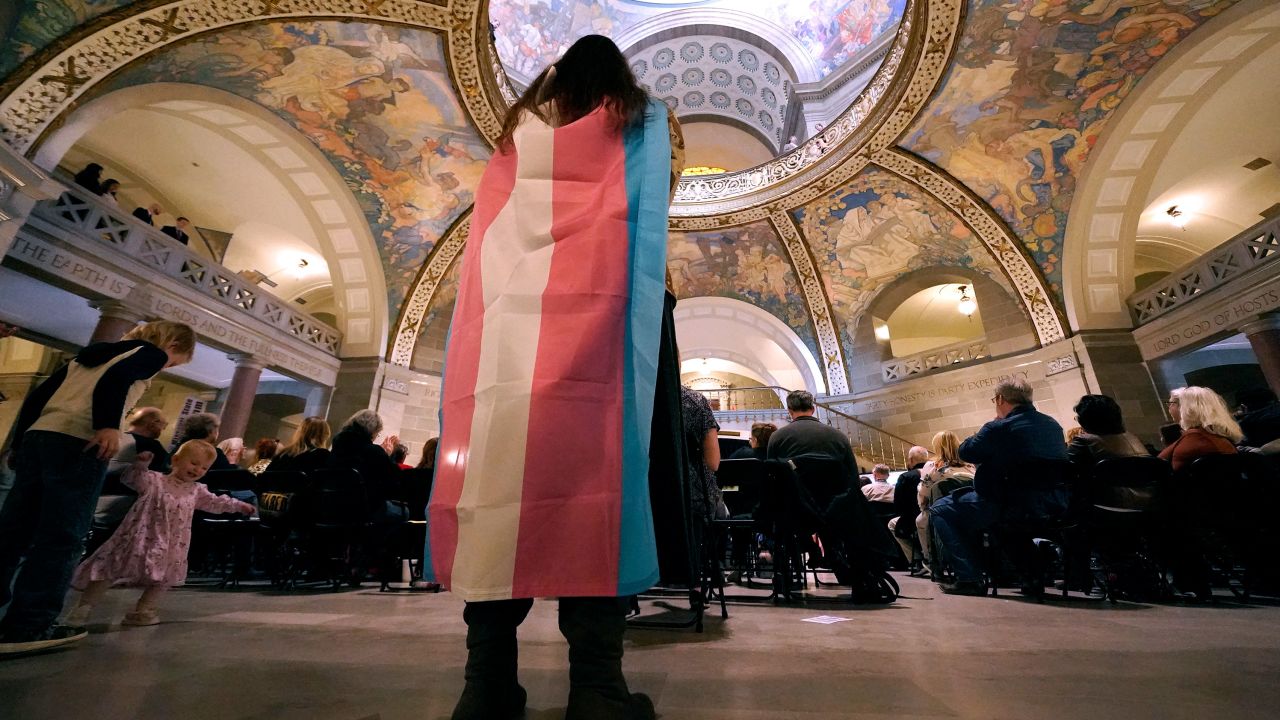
<point x="750" y="367"/>
<point x="750" y="321"/>
<point x="344" y="240"/>
<point x="50" y="83"/>
<point x="1100" y="240"/>
<point x="816" y="300"/>
<point x="442" y="257"/>
<point x="999" y="240"/>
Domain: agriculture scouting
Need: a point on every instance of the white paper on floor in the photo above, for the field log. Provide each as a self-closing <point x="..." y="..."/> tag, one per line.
<point x="825" y="619"/>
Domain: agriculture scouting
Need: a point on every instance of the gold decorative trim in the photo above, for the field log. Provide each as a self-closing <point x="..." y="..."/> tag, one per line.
<point x="53" y="88"/>
<point x="999" y="240"/>
<point x="409" y="324"/>
<point x="815" y="297"/>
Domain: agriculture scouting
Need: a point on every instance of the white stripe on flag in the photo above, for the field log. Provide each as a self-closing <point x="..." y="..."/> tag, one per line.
<point x="515" y="263"/>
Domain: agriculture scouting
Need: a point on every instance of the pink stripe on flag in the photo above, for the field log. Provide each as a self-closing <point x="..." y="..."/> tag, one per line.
<point x="463" y="362"/>
<point x="573" y="462"/>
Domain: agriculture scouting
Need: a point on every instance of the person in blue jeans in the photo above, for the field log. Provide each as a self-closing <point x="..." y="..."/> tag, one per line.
<point x="1019" y="433"/>
<point x="67" y="430"/>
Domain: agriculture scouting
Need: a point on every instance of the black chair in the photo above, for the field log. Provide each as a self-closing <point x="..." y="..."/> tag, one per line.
<point x="1036" y="500"/>
<point x="741" y="483"/>
<point x="408" y="540"/>
<point x="1117" y="527"/>
<point x="336" y="524"/>
<point x="282" y="499"/>
<point x="223" y="542"/>
<point x="415" y="491"/>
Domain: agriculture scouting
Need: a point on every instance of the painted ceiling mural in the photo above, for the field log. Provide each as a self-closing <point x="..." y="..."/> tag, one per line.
<point x="871" y="231"/>
<point x="1028" y="93"/>
<point x="745" y="263"/>
<point x="530" y="34"/>
<point x="375" y="99"/>
<point x="27" y="26"/>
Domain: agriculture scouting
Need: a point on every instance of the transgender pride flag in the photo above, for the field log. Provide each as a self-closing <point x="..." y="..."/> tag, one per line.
<point x="541" y="484"/>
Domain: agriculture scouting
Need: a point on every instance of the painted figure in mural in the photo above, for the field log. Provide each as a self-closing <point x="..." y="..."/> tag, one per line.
<point x="373" y="99"/>
<point x="540" y="492"/>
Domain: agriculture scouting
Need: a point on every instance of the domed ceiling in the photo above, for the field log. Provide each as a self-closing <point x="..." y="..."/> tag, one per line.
<point x="960" y="149"/>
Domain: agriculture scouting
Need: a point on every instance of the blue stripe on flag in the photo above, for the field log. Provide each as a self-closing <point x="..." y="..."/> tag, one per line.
<point x="648" y="162"/>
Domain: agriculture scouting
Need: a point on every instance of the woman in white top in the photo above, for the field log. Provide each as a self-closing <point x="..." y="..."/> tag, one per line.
<point x="942" y="474"/>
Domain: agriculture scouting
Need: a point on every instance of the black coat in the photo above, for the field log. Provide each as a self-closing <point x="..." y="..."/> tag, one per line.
<point x="1024" y="434"/>
<point x="314" y="459"/>
<point x="142" y="214"/>
<point x="905" y="503"/>
<point x="353" y="448"/>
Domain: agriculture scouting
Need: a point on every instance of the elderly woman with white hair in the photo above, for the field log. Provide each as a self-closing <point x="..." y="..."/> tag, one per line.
<point x="354" y="447"/>
<point x="1207" y="426"/>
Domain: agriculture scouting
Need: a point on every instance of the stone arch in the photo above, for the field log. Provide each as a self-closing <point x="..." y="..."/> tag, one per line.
<point x="1100" y="241"/>
<point x="1007" y="327"/>
<point x="335" y="219"/>
<point x="749" y="336"/>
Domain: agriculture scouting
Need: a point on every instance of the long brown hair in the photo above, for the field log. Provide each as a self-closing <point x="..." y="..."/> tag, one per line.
<point x="313" y="433"/>
<point x="591" y="73"/>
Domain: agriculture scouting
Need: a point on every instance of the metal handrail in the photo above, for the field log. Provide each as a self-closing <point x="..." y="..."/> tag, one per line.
<point x="869" y="441"/>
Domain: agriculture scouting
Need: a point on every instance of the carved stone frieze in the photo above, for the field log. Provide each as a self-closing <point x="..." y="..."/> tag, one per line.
<point x="987" y="226"/>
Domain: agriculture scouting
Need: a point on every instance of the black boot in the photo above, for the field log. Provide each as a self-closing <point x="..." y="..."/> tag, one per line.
<point x="492" y="691"/>
<point x="597" y="688"/>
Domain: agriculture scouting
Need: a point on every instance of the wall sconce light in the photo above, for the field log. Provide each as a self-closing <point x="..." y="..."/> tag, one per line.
<point x="967" y="306"/>
<point x="882" y="333"/>
<point x="1178" y="218"/>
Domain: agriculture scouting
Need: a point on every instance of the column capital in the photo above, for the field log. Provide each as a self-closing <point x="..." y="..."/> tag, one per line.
<point x="245" y="360"/>
<point x="1262" y="324"/>
<point x="118" y="310"/>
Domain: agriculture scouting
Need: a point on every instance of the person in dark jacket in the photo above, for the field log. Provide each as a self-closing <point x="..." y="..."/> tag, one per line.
<point x="180" y="230"/>
<point x="1019" y="433"/>
<point x="807" y="436"/>
<point x="1259" y="416"/>
<point x="308" y="450"/>
<point x="67" y="430"/>
<point x="90" y="178"/>
<point x="354" y="448"/>
<point x="758" y="446"/>
<point x="906" y="507"/>
<point x="148" y="214"/>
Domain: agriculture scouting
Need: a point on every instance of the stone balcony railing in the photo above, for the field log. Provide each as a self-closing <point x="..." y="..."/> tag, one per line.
<point x="118" y="232"/>
<point x="902" y="368"/>
<point x="1234" y="258"/>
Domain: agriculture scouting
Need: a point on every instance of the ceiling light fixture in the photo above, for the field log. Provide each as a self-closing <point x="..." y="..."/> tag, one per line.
<point x="967" y="305"/>
<point x="1178" y="218"/>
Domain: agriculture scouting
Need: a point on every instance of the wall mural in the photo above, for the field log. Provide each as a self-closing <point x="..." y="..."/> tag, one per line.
<point x="531" y="34"/>
<point x="745" y="263"/>
<point x="1027" y="96"/>
<point x="28" y="26"/>
<point x="377" y="102"/>
<point x="868" y="233"/>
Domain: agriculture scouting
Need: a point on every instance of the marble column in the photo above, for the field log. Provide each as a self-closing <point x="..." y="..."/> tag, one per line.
<point x="1264" y="336"/>
<point x="115" y="320"/>
<point x="239" y="403"/>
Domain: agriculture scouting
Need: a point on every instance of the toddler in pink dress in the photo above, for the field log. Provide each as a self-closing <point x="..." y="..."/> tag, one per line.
<point x="150" y="546"/>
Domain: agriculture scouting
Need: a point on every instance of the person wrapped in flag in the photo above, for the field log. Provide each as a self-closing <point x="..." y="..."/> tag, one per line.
<point x="541" y="485"/>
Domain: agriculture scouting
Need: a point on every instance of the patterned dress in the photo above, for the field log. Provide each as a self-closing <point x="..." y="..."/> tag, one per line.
<point x="150" y="547"/>
<point x="698" y="419"/>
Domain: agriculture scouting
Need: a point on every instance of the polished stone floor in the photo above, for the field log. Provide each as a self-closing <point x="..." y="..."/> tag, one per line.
<point x="360" y="655"/>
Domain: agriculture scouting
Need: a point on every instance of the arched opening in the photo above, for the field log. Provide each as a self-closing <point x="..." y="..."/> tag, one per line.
<point x="1151" y="198"/>
<point x="265" y="200"/>
<point x="737" y="338"/>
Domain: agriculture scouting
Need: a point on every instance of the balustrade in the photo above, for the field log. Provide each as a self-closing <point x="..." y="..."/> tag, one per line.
<point x="1241" y="254"/>
<point x="901" y="368"/>
<point x="111" y="228"/>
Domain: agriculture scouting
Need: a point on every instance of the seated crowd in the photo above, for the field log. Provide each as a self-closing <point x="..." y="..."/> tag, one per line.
<point x="1016" y="477"/>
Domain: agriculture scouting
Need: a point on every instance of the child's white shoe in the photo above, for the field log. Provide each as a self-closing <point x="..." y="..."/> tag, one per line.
<point x="141" y="618"/>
